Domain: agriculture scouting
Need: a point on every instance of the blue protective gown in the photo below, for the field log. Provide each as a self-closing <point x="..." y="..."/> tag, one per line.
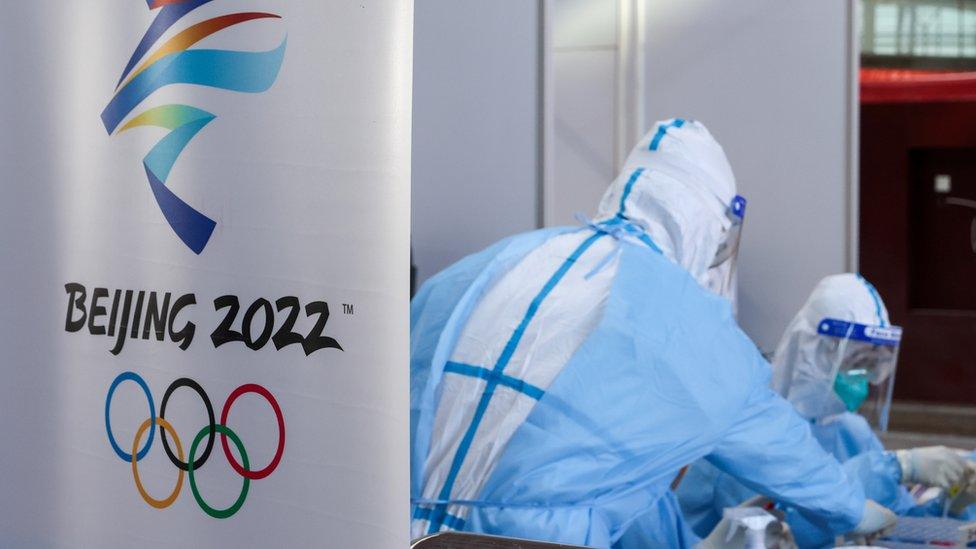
<point x="846" y="435"/>
<point x="706" y="491"/>
<point x="664" y="378"/>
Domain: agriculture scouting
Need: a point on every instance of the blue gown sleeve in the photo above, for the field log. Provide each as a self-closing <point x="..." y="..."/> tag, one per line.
<point x="880" y="475"/>
<point x="847" y="435"/>
<point x="770" y="449"/>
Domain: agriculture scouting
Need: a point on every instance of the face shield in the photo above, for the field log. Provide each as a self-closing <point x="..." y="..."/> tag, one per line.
<point x="721" y="272"/>
<point x="865" y="360"/>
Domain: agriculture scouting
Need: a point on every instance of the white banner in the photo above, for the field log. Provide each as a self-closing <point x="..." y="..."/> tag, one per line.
<point x="204" y="225"/>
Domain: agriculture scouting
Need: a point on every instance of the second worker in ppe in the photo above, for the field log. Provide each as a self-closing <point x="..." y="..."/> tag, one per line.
<point x="837" y="358"/>
<point x="561" y="378"/>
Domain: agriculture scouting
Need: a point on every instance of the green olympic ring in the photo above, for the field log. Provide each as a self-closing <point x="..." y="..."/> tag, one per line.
<point x="218" y="513"/>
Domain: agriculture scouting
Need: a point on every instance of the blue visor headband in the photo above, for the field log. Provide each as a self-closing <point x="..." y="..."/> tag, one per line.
<point x="737" y="209"/>
<point x="736" y="213"/>
<point x="889" y="336"/>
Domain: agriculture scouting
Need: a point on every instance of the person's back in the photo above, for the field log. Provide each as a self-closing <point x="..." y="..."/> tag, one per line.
<point x="549" y="404"/>
<point x="561" y="378"/>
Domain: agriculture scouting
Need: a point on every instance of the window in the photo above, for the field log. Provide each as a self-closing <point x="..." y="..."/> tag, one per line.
<point x="922" y="34"/>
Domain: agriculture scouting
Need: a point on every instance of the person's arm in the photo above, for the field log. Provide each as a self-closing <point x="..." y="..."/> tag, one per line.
<point x="771" y="450"/>
<point x="933" y="466"/>
<point x="880" y="476"/>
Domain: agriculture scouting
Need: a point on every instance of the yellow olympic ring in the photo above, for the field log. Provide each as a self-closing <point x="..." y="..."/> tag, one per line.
<point x="157" y="503"/>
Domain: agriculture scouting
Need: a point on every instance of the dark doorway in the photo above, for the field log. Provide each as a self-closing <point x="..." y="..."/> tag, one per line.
<point x="918" y="239"/>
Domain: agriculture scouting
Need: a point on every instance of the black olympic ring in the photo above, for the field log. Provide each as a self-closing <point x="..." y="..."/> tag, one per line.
<point x="187" y="382"/>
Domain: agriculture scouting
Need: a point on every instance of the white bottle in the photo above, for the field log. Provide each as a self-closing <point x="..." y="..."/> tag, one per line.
<point x="753" y="521"/>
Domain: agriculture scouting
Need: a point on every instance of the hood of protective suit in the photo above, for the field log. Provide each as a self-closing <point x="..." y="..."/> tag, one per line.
<point x="805" y="363"/>
<point x="677" y="184"/>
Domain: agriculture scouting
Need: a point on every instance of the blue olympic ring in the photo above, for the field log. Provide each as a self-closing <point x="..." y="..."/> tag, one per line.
<point x="131" y="376"/>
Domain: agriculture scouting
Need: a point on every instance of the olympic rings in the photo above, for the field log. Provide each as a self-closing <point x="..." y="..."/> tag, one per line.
<point x="256" y="475"/>
<point x="157" y="503"/>
<point x="187" y="382"/>
<point x="192" y="465"/>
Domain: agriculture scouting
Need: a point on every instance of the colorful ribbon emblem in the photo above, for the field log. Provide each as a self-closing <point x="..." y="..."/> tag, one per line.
<point x="174" y="63"/>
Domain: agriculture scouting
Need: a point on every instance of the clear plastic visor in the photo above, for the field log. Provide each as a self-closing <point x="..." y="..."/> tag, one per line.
<point x="866" y="362"/>
<point x="728" y="252"/>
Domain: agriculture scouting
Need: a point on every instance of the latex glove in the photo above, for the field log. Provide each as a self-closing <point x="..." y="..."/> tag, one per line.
<point x="876" y="520"/>
<point x="967" y="495"/>
<point x="932" y="466"/>
<point x="777" y="534"/>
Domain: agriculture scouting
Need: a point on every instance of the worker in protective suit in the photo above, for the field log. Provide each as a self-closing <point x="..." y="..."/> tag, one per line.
<point x="561" y="378"/>
<point x="838" y="357"/>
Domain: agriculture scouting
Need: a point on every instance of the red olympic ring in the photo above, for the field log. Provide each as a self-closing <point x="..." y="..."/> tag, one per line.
<point x="253" y="388"/>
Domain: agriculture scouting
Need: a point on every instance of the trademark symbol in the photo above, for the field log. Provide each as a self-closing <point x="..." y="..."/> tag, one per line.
<point x="347" y="309"/>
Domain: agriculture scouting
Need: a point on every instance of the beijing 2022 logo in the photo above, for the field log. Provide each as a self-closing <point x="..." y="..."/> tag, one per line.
<point x="190" y="463"/>
<point x="175" y="63"/>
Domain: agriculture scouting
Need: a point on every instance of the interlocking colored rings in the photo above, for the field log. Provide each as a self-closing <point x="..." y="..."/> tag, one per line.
<point x="243" y="471"/>
<point x="193" y="463"/>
